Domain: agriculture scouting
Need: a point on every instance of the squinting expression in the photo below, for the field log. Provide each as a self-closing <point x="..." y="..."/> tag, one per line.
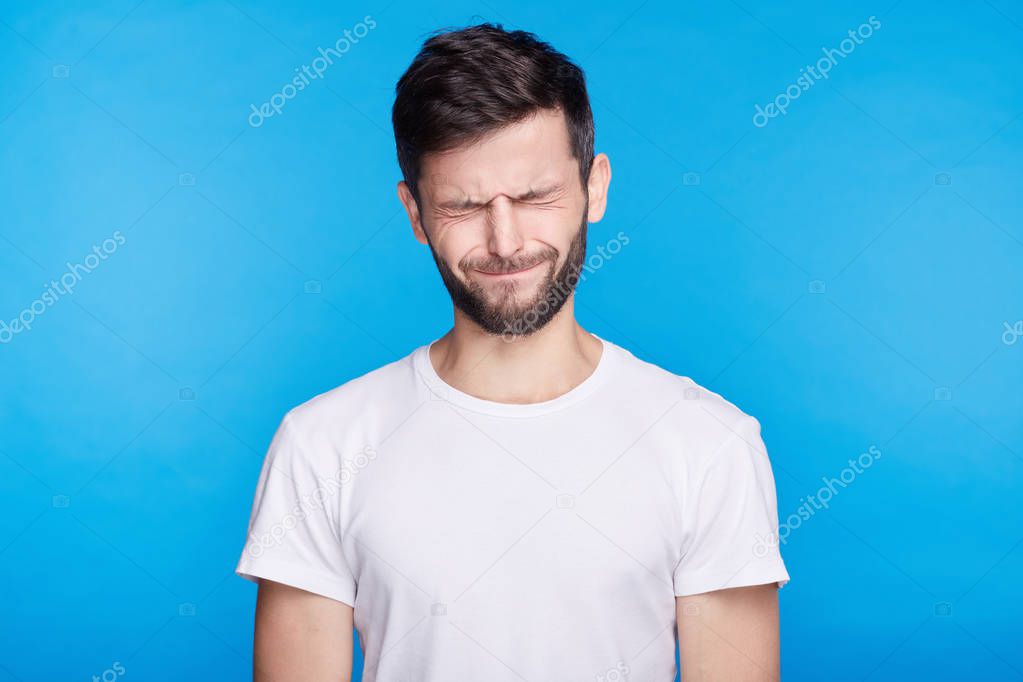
<point x="511" y="213"/>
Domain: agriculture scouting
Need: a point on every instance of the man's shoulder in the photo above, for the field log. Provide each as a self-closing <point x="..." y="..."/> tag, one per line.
<point x="372" y="392"/>
<point x="695" y="408"/>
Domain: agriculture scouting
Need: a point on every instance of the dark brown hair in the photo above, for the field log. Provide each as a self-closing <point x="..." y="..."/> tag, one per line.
<point x="467" y="83"/>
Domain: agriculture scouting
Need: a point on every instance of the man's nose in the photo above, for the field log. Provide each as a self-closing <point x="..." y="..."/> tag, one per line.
<point x="504" y="237"/>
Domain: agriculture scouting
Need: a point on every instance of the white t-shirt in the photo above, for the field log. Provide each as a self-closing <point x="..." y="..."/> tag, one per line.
<point x="491" y="541"/>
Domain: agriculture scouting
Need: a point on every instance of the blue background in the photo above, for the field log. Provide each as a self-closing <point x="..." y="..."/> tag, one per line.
<point x="264" y="265"/>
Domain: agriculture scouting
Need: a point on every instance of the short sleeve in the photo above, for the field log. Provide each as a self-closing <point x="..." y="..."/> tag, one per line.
<point x="730" y="518"/>
<point x="294" y="533"/>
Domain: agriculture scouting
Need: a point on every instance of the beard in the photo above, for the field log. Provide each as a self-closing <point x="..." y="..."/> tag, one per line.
<point x="500" y="308"/>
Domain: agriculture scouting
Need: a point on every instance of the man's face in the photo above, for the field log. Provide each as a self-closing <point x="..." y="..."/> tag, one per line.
<point x="506" y="222"/>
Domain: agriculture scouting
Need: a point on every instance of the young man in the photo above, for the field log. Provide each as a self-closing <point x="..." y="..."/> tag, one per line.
<point x="519" y="499"/>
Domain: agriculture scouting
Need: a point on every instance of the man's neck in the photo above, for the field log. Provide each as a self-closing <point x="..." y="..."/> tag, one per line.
<point x="525" y="369"/>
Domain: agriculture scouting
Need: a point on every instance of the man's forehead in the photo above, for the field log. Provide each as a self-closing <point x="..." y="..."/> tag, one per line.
<point x="517" y="158"/>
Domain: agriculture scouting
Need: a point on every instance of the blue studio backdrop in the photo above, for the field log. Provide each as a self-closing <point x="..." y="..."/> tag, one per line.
<point x="822" y="209"/>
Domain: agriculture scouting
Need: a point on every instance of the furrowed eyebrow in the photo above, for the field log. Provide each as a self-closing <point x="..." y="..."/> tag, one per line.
<point x="531" y="195"/>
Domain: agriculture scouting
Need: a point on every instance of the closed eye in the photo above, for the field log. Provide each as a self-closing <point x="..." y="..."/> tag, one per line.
<point x="454" y="214"/>
<point x="552" y="203"/>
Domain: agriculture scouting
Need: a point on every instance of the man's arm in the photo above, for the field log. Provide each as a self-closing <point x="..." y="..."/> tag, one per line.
<point x="730" y="635"/>
<point x="301" y="636"/>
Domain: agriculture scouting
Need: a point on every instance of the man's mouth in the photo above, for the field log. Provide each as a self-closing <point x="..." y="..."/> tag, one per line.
<point x="512" y="273"/>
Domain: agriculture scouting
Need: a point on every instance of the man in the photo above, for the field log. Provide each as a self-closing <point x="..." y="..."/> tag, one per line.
<point x="519" y="499"/>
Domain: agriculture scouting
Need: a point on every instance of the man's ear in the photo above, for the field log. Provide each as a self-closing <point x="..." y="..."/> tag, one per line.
<point x="600" y="179"/>
<point x="412" y="209"/>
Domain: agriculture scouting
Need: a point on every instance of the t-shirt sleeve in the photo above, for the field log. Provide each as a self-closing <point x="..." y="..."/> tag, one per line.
<point x="730" y="518"/>
<point x="294" y="534"/>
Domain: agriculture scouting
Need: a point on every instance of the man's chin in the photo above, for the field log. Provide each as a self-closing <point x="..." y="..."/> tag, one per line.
<point x="511" y="318"/>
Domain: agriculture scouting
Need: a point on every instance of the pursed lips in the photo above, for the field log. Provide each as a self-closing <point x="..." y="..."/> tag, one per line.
<point x="509" y="274"/>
